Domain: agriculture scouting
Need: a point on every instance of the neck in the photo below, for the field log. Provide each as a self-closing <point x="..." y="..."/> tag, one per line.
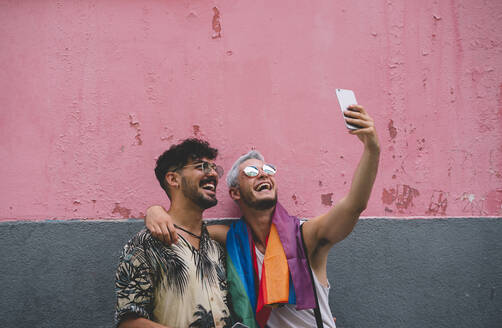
<point x="259" y="221"/>
<point x="187" y="215"/>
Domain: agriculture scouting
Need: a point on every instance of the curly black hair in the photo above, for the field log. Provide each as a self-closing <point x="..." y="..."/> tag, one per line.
<point x="177" y="156"/>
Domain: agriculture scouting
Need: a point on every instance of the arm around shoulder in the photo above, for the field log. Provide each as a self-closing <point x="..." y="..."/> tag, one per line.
<point x="218" y="232"/>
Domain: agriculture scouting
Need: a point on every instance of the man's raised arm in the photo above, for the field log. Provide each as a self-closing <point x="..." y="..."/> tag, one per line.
<point x="324" y="231"/>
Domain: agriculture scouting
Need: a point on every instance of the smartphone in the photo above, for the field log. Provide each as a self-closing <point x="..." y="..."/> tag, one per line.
<point x="345" y="99"/>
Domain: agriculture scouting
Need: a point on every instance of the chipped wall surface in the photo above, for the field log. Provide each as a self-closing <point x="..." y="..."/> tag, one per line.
<point x="93" y="91"/>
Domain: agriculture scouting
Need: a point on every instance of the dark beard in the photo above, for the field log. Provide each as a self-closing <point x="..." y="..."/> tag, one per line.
<point x="191" y="192"/>
<point x="260" y="205"/>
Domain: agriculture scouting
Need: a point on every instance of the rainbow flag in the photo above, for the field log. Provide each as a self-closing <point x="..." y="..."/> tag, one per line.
<point x="285" y="276"/>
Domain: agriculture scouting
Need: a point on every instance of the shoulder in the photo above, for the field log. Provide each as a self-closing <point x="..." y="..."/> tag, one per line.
<point x="138" y="245"/>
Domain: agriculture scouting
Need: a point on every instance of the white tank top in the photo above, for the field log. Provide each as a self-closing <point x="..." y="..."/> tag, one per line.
<point x="287" y="316"/>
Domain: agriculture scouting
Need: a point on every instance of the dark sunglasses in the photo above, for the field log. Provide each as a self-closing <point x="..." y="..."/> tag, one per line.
<point x="252" y="171"/>
<point x="207" y="167"/>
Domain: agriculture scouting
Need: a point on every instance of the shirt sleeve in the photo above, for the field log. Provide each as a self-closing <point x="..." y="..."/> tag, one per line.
<point x="133" y="286"/>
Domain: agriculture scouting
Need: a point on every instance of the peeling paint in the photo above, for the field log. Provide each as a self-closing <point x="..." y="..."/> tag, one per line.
<point x="196" y="130"/>
<point x="388" y="196"/>
<point x="326" y="199"/>
<point x="472" y="204"/>
<point x="392" y="129"/>
<point x="134" y="123"/>
<point x="295" y="200"/>
<point x="438" y="203"/>
<point x="421" y="144"/>
<point x="216" y="24"/>
<point x="402" y="196"/>
<point x="405" y="195"/>
<point x="94" y="122"/>
<point x="123" y="211"/>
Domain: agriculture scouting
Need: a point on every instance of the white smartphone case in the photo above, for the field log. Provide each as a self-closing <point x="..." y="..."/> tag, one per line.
<point x="345" y="99"/>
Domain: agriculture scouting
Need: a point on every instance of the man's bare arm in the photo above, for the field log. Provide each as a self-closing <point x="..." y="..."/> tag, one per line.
<point x="218" y="232"/>
<point x="160" y="224"/>
<point x="322" y="232"/>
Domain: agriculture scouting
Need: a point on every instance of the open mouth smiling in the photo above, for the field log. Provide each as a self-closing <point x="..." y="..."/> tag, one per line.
<point x="263" y="186"/>
<point x="209" y="184"/>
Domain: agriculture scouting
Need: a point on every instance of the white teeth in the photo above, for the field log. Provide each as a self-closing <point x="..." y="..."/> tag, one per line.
<point x="263" y="186"/>
<point x="209" y="186"/>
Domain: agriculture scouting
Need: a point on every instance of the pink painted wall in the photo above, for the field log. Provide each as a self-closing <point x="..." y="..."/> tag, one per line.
<point x="92" y="91"/>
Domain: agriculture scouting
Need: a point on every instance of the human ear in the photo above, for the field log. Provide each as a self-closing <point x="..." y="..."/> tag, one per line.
<point x="234" y="193"/>
<point x="172" y="180"/>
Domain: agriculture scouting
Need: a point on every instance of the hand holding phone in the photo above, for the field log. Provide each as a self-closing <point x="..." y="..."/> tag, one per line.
<point x="345" y="99"/>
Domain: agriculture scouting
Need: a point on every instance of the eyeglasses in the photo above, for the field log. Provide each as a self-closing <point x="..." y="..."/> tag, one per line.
<point x="207" y="167"/>
<point x="252" y="171"/>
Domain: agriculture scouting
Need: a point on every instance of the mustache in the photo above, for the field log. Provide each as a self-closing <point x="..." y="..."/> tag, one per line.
<point x="208" y="179"/>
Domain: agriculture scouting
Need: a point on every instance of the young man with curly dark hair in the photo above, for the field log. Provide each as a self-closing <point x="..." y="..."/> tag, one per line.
<point x="184" y="284"/>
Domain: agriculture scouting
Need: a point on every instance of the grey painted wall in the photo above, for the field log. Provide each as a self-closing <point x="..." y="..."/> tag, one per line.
<point x="387" y="273"/>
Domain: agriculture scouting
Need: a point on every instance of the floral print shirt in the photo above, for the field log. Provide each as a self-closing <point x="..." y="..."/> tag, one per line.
<point x="177" y="285"/>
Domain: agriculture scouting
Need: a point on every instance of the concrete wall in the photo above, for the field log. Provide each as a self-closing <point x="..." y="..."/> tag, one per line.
<point x="92" y="91"/>
<point x="399" y="273"/>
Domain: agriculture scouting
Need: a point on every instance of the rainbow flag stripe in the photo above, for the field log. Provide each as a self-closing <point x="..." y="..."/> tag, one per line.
<point x="285" y="276"/>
